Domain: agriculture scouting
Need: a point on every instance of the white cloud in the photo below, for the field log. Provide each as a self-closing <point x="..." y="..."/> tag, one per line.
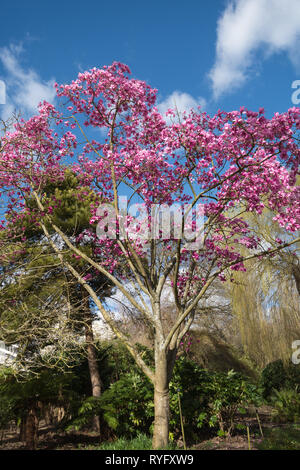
<point x="250" y="26"/>
<point x="24" y="87"/>
<point x="180" y="101"/>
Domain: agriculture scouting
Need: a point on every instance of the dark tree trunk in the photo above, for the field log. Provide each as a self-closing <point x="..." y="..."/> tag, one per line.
<point x="31" y="429"/>
<point x="22" y="429"/>
<point x="93" y="369"/>
<point x="92" y="356"/>
<point x="296" y="274"/>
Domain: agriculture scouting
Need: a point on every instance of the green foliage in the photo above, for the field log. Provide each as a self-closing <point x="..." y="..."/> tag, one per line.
<point x="286" y="403"/>
<point x="7" y="414"/>
<point x="283" y="438"/>
<point x="273" y="377"/>
<point x="292" y="376"/>
<point x="7" y="400"/>
<point x="38" y="293"/>
<point x="209" y="398"/>
<point x="117" y="360"/>
<point x="114" y="361"/>
<point x="70" y="201"/>
<point x="127" y="406"/>
<point x="230" y="393"/>
<point x="192" y="384"/>
<point x="140" y="442"/>
<point x="125" y="390"/>
<point x="276" y="376"/>
<point x="84" y="410"/>
<point x="17" y="397"/>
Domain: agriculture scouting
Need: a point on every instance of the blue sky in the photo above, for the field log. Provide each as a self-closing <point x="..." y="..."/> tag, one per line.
<point x="221" y="54"/>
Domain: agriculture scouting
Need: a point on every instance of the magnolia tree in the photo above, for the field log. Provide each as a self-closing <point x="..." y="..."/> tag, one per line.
<point x="210" y="170"/>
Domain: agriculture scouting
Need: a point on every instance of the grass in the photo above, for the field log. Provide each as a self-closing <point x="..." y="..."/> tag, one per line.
<point x="284" y="438"/>
<point x="279" y="438"/>
<point x="141" y="442"/>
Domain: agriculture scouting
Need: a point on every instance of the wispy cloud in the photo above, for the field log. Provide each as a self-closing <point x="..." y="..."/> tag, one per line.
<point x="180" y="101"/>
<point x="24" y="87"/>
<point x="248" y="27"/>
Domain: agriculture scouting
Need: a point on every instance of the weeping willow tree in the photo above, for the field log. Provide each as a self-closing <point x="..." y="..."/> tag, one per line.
<point x="265" y="299"/>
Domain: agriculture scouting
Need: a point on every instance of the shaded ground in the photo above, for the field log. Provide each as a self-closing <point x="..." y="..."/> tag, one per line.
<point x="239" y="441"/>
<point x="50" y="439"/>
<point x="275" y="436"/>
<point x="284" y="437"/>
<point x="232" y="443"/>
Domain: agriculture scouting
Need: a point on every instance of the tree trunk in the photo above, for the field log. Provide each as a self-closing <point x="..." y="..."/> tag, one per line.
<point x="91" y="355"/>
<point x="93" y="369"/>
<point x="296" y="274"/>
<point x="31" y="429"/>
<point x="161" y="404"/>
<point x="22" y="428"/>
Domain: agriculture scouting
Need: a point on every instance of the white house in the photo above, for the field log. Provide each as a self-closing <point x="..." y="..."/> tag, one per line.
<point x="7" y="353"/>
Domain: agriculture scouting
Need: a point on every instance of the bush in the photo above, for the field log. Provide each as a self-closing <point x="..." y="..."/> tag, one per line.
<point x="293" y="376"/>
<point x="277" y="376"/>
<point x="208" y="400"/>
<point x="287" y="438"/>
<point x="6" y="411"/>
<point x="191" y="384"/>
<point x="230" y="393"/>
<point x="127" y="406"/>
<point x="273" y="377"/>
<point x="286" y="403"/>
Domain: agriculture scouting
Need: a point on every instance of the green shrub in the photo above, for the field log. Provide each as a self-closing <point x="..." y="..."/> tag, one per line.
<point x="127" y="406"/>
<point x="230" y="393"/>
<point x="191" y="384"/>
<point x="6" y="411"/>
<point x="273" y="377"/>
<point x="41" y="391"/>
<point x="286" y="403"/>
<point x="293" y="376"/>
<point x="287" y="438"/>
<point x="277" y="375"/>
<point x="208" y="400"/>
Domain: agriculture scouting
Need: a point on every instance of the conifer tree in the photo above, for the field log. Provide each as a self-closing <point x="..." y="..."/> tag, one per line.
<point x="40" y="303"/>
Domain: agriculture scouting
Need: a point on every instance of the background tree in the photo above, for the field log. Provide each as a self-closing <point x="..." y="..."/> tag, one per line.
<point x="265" y="300"/>
<point x="236" y="159"/>
<point x="41" y="303"/>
